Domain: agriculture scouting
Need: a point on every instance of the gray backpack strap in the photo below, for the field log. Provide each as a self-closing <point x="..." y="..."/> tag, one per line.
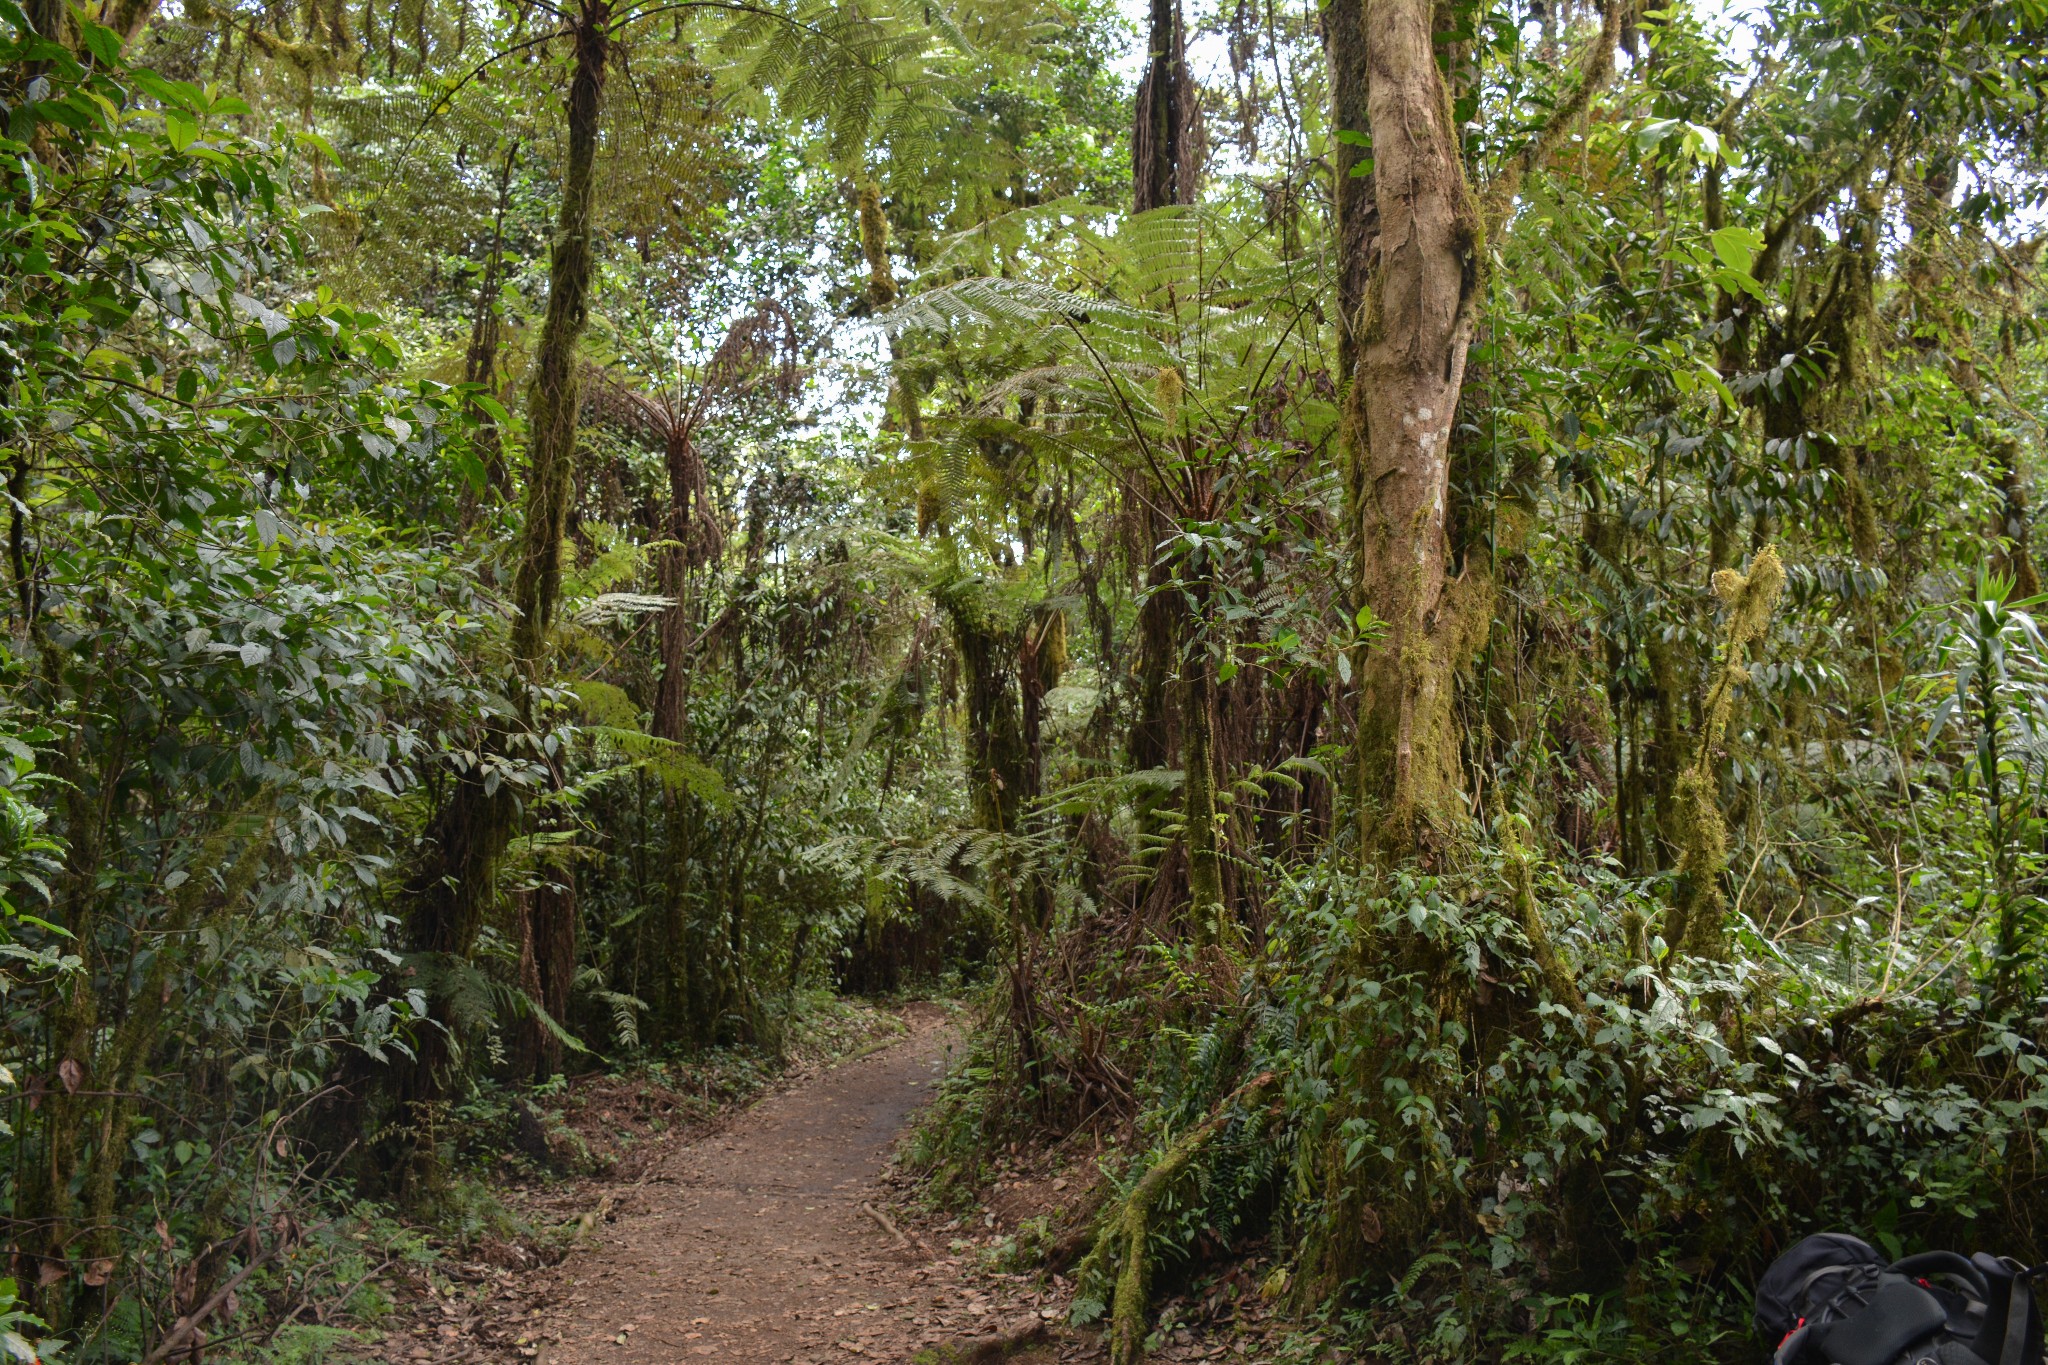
<point x="2019" y="1304"/>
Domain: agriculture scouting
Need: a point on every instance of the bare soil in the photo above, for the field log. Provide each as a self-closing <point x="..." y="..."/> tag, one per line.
<point x="752" y="1244"/>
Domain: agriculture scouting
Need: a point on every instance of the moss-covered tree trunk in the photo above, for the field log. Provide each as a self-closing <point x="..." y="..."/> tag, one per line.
<point x="457" y="882"/>
<point x="1163" y="172"/>
<point x="1415" y="328"/>
<point x="999" y="782"/>
<point x="687" y="489"/>
<point x="553" y="403"/>
<point x="553" y="407"/>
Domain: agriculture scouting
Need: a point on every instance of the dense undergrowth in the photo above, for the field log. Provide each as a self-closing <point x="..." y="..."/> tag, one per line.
<point x="1490" y="1171"/>
<point x="1436" y="602"/>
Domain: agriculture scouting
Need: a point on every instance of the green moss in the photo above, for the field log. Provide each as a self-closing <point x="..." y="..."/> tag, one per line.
<point x="1696" y="925"/>
<point x="1126" y="1230"/>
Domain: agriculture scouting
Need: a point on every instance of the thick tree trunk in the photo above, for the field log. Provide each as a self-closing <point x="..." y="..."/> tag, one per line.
<point x="552" y="407"/>
<point x="997" y="759"/>
<point x="686" y="488"/>
<point x="547" y="970"/>
<point x="1163" y="172"/>
<point x="1401" y="404"/>
<point x="999" y="777"/>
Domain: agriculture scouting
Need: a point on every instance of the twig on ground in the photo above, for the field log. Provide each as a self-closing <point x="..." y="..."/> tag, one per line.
<point x="904" y="1241"/>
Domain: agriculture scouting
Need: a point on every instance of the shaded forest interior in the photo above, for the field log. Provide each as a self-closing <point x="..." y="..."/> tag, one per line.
<point x="1427" y="606"/>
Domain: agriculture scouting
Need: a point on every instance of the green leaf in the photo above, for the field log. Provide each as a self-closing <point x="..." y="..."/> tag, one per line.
<point x="1737" y="247"/>
<point x="1654" y="131"/>
<point x="319" y="144"/>
<point x="470" y="468"/>
<point x="170" y="94"/>
<point x="103" y="42"/>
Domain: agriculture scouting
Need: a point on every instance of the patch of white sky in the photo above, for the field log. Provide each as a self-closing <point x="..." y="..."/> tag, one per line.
<point x="1742" y="27"/>
<point x="1738" y="23"/>
<point x="845" y="402"/>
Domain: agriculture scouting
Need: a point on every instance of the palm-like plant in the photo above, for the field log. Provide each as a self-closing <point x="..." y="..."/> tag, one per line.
<point x="1998" y="687"/>
<point x="1199" y="344"/>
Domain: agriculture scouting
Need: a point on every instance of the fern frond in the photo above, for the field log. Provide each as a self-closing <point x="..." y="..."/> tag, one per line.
<point x="676" y="767"/>
<point x="1020" y="304"/>
<point x="612" y="607"/>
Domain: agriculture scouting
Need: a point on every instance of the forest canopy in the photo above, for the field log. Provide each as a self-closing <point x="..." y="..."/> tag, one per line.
<point x="1427" y="605"/>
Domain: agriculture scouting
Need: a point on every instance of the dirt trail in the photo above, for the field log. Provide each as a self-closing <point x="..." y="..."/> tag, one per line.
<point x="750" y="1244"/>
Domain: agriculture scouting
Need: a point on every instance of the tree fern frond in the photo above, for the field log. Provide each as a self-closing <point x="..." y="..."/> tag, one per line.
<point x="612" y="607"/>
<point x="1019" y="303"/>
<point x="975" y="248"/>
<point x="676" y="767"/>
<point x="626" y="1011"/>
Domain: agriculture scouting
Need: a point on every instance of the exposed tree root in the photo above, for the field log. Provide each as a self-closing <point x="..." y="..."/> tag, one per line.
<point x="985" y="1350"/>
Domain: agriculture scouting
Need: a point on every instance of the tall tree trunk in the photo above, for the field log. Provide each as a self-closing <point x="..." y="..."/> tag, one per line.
<point x="1163" y="147"/>
<point x="1357" y="208"/>
<point x="1399" y="412"/>
<point x="1163" y="172"/>
<point x="686" y="488"/>
<point x="454" y="890"/>
<point x="553" y="406"/>
<point x="553" y="403"/>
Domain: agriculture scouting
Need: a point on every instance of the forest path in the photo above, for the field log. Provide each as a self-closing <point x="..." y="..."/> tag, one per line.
<point x="750" y="1244"/>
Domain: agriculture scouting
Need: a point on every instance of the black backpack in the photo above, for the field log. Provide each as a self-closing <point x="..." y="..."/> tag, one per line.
<point x="1833" y="1300"/>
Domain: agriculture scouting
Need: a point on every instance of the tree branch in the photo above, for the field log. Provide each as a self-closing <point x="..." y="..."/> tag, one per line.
<point x="1596" y="68"/>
